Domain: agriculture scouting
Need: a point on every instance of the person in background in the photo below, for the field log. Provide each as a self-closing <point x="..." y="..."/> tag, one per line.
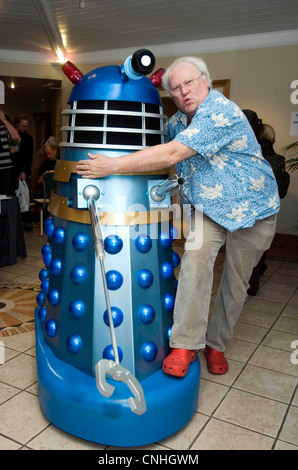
<point x="267" y="140"/>
<point x="265" y="135"/>
<point x="52" y="153"/>
<point x="8" y="134"/>
<point x="214" y="148"/>
<point x="22" y="159"/>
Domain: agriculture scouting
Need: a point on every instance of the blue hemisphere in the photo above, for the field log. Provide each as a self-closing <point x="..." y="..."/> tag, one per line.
<point x="108" y="83"/>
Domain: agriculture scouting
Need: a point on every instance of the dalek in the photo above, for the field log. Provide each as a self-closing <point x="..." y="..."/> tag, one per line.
<point x="105" y="308"/>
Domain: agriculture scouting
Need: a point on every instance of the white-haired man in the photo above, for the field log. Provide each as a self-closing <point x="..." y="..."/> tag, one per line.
<point x="213" y="146"/>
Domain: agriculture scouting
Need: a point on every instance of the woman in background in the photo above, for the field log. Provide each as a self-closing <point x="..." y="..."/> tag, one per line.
<point x="265" y="135"/>
<point x="8" y="134"/>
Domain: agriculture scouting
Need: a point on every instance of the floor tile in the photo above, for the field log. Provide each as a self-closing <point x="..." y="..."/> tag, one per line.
<point x="26" y="278"/>
<point x="6" y="276"/>
<point x="53" y="438"/>
<point x="274" y="295"/>
<point x="289" y="269"/>
<point x="38" y="264"/>
<point x="279" y="340"/>
<point x="220" y="435"/>
<point x="262" y="305"/>
<point x="31" y="352"/>
<point x="6" y="391"/>
<point x="8" y="444"/>
<point x="295" y="399"/>
<point x="290" y="265"/>
<point x="8" y="353"/>
<point x="282" y="279"/>
<point x="280" y="445"/>
<point x="290" y="311"/>
<point x="286" y="324"/>
<point x="263" y="319"/>
<point x="148" y="447"/>
<point x="294" y="299"/>
<point x="21" y="418"/>
<point x="239" y="350"/>
<point x="274" y="359"/>
<point x="183" y="439"/>
<point x="33" y="389"/>
<point x="210" y="396"/>
<point x="252" y="412"/>
<point x="277" y="286"/>
<point x="19" y="269"/>
<point x="289" y="432"/>
<point x="21" y="342"/>
<point x="250" y="333"/>
<point x="19" y="372"/>
<point x="266" y="383"/>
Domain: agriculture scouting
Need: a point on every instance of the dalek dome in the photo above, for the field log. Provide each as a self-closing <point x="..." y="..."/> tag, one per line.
<point x="110" y="83"/>
<point x="115" y="107"/>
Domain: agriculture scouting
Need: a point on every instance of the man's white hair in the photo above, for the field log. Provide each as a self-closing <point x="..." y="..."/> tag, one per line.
<point x="196" y="61"/>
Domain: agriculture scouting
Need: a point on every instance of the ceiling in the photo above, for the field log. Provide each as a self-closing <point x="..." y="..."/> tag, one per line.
<point x="34" y="30"/>
<point x="38" y="31"/>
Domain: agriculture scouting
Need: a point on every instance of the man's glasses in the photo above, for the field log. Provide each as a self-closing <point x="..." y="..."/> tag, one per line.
<point x="189" y="84"/>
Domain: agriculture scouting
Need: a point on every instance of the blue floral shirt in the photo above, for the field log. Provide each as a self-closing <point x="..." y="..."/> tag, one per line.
<point x="228" y="177"/>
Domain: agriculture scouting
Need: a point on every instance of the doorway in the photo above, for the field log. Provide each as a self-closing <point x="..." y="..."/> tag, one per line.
<point x="40" y="99"/>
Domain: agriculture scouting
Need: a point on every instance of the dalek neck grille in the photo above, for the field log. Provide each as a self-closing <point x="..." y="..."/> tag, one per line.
<point x="114" y="125"/>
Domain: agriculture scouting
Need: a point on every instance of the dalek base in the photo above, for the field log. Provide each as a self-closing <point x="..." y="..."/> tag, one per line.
<point x="69" y="399"/>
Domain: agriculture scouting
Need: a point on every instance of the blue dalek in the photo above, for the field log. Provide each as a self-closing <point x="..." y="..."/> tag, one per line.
<point x="104" y="313"/>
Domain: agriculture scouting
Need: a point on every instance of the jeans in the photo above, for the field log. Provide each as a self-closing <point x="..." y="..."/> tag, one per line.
<point x="243" y="249"/>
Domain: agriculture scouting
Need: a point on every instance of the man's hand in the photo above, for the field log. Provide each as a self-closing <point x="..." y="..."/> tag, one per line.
<point x="97" y="167"/>
<point x="149" y="159"/>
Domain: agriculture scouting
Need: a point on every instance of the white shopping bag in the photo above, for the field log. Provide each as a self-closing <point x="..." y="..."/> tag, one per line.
<point x="22" y="194"/>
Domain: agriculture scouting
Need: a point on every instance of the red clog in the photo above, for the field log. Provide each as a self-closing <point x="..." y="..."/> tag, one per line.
<point x="177" y="362"/>
<point x="216" y="361"/>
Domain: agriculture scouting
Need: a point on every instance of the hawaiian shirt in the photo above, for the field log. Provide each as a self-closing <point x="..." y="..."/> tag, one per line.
<point x="228" y="178"/>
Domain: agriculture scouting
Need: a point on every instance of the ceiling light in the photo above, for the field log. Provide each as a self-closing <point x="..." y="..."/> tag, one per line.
<point x="52" y="30"/>
<point x="60" y="56"/>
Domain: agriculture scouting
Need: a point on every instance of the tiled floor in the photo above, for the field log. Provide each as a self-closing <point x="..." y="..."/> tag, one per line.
<point x="254" y="406"/>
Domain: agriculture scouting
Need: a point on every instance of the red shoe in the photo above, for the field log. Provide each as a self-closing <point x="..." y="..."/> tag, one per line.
<point x="177" y="362"/>
<point x="216" y="361"/>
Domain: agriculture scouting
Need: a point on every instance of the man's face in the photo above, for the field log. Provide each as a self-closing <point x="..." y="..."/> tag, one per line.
<point x="50" y="153"/>
<point x="23" y="125"/>
<point x="188" y="87"/>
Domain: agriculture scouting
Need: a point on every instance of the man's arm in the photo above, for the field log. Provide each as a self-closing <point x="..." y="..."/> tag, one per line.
<point x="152" y="158"/>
